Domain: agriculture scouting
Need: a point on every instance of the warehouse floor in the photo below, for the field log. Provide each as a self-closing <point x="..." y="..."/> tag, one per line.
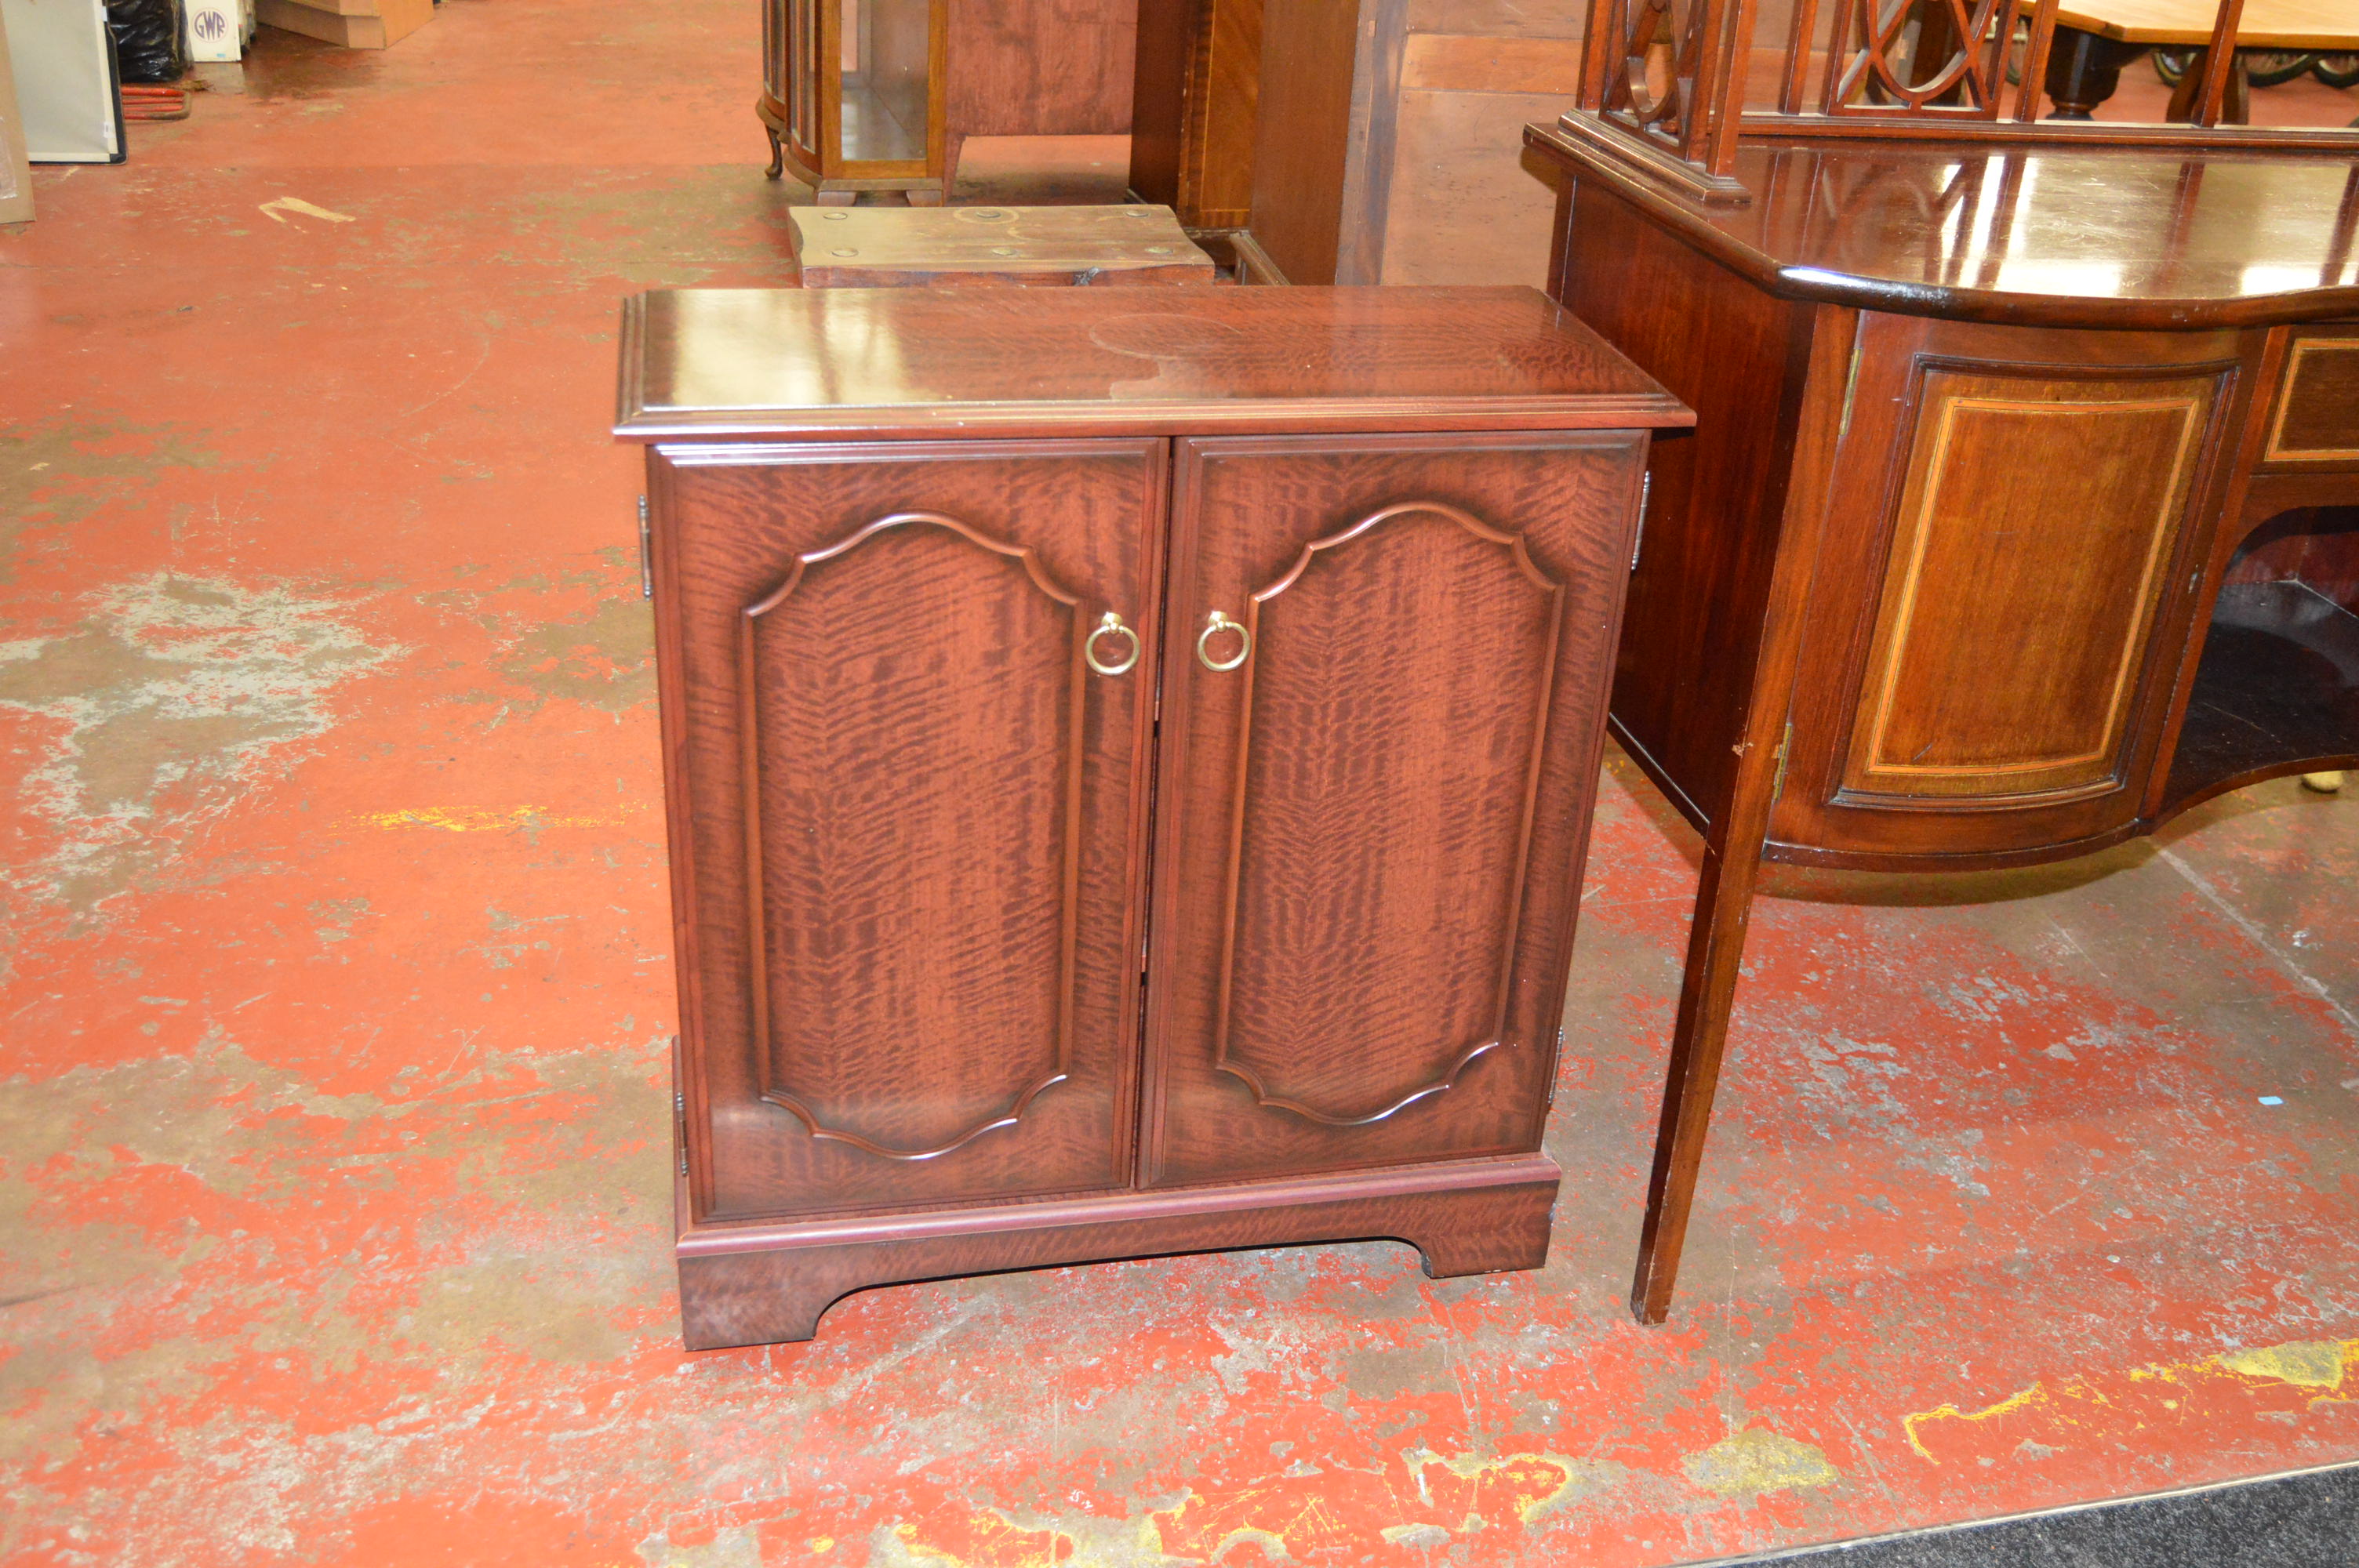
<point x="333" y="1191"/>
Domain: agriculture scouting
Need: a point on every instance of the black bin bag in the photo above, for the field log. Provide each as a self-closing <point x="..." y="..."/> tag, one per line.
<point x="151" y="38"/>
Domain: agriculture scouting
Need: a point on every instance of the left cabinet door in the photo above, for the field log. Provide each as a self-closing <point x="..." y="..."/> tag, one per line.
<point x="908" y="701"/>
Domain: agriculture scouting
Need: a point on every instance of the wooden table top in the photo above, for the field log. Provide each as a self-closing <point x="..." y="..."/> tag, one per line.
<point x="2329" y="25"/>
<point x="2077" y="236"/>
<point x="869" y="247"/>
<point x="969" y="362"/>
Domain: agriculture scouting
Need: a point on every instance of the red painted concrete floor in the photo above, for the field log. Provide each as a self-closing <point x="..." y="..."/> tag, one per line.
<point x="333" y="1211"/>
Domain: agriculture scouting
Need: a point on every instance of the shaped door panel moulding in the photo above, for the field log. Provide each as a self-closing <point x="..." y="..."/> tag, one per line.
<point x="1392" y="736"/>
<point x="913" y="928"/>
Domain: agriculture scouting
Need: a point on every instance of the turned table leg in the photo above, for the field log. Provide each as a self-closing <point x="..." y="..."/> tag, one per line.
<point x="2083" y="69"/>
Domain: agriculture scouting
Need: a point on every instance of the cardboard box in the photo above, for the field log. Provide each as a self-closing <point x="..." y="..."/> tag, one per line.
<point x="393" y="20"/>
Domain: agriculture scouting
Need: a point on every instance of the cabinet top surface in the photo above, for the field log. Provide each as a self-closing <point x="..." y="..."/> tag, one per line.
<point x="1006" y="361"/>
<point x="2111" y="236"/>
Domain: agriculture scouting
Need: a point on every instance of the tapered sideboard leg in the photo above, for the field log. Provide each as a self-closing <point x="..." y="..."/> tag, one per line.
<point x="1715" y="947"/>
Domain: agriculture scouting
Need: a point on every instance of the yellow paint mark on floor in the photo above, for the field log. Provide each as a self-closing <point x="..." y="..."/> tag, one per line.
<point x="1526" y="1477"/>
<point x="2305" y="1363"/>
<point x="2322" y="1363"/>
<point x="2035" y="1394"/>
<point x="1748" y="1463"/>
<point x="985" y="1540"/>
<point x="1272" y="1543"/>
<point x="508" y="819"/>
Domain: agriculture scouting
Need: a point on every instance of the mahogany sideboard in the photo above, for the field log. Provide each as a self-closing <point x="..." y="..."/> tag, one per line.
<point x="2021" y="512"/>
<point x="1129" y="762"/>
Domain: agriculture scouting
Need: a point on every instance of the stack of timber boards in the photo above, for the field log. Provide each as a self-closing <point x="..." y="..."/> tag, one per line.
<point x="352" y="23"/>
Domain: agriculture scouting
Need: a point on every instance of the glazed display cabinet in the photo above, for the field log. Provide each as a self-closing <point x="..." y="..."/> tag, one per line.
<point x="853" y="96"/>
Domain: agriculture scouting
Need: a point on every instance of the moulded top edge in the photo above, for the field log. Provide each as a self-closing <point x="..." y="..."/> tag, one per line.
<point x="1171" y="360"/>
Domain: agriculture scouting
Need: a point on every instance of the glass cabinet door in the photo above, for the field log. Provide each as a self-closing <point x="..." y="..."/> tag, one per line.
<point x="884" y="50"/>
<point x="853" y="94"/>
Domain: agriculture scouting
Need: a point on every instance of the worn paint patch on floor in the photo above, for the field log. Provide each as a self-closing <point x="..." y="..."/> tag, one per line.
<point x="334" y="1199"/>
<point x="164" y="699"/>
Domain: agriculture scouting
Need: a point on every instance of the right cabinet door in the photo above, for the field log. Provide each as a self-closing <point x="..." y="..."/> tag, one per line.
<point x="1383" y="703"/>
<point x="2004" y="584"/>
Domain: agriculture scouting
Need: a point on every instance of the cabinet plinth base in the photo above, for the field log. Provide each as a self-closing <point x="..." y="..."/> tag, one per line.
<point x="748" y="1285"/>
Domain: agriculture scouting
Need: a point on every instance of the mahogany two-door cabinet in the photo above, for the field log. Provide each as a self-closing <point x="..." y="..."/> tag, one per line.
<point x="1128" y="765"/>
<point x="2021" y="512"/>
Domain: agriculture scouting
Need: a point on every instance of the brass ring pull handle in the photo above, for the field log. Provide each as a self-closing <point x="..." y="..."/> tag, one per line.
<point x="1218" y="623"/>
<point x="1111" y="626"/>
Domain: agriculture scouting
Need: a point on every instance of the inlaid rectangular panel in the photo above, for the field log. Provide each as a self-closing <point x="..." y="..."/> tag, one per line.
<point x="2317" y="418"/>
<point x="912" y="748"/>
<point x="1377" y="766"/>
<point x="2036" y="519"/>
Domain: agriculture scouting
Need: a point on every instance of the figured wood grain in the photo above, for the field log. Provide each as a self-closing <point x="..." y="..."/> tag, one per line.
<point x="1400" y="675"/>
<point x="2017" y="618"/>
<point x="917" y="958"/>
<point x="921" y="913"/>
<point x="1372" y="833"/>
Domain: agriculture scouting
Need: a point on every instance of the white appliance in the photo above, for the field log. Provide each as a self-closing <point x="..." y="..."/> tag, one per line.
<point x="67" y="90"/>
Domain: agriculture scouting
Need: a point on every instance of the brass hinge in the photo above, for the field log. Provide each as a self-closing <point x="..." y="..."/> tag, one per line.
<point x="680" y="1115"/>
<point x="1785" y="754"/>
<point x="646" y="553"/>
